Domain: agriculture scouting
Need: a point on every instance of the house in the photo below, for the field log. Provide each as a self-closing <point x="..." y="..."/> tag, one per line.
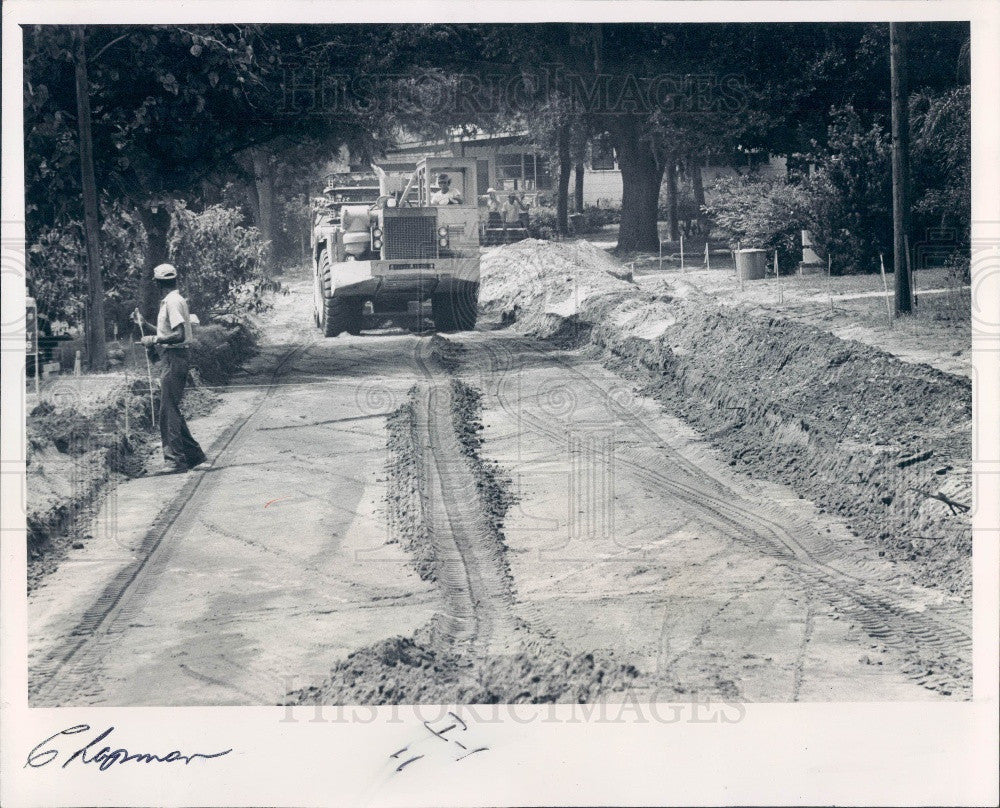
<point x="506" y="162"/>
<point x="503" y="160"/>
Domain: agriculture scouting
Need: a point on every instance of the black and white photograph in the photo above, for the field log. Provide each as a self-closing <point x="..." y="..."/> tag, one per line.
<point x="592" y="364"/>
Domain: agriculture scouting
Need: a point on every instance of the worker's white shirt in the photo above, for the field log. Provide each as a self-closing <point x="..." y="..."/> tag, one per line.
<point x="449" y="197"/>
<point x="174" y="312"/>
<point x="512" y="211"/>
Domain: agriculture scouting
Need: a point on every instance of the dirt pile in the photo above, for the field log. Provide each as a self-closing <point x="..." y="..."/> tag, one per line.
<point x="406" y="500"/>
<point x="561" y="289"/>
<point x="74" y="453"/>
<point x="882" y="443"/>
<point x="492" y="483"/>
<point x="403" y="670"/>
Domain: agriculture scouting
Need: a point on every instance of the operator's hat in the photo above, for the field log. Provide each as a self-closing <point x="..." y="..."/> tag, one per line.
<point x="443" y="176"/>
<point x="164" y="272"/>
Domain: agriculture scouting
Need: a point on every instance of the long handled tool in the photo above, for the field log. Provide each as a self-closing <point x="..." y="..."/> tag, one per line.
<point x="149" y="378"/>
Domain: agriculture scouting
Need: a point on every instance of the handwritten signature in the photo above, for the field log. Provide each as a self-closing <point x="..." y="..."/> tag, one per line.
<point x="407" y="756"/>
<point x="106" y="756"/>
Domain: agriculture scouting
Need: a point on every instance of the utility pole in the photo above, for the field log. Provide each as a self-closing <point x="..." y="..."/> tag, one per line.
<point x="97" y="351"/>
<point x="900" y="165"/>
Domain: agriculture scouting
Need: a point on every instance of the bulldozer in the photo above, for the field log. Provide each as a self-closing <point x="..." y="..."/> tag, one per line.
<point x="380" y="247"/>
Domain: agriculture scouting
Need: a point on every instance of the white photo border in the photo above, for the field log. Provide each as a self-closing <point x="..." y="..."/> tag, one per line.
<point x="776" y="754"/>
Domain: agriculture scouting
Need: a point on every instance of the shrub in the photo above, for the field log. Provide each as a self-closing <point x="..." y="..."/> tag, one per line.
<point x="763" y="212"/>
<point x="543" y="220"/>
<point x="597" y="216"/>
<point x="220" y="261"/>
<point x="850" y="210"/>
<point x="57" y="266"/>
<point x="942" y="166"/>
<point x="218" y="349"/>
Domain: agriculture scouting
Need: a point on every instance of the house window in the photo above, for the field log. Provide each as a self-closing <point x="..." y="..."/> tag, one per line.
<point x="523" y="171"/>
<point x="602" y="155"/>
<point x="543" y="179"/>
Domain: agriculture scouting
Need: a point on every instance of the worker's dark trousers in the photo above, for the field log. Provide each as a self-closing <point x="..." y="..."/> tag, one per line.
<point x="178" y="446"/>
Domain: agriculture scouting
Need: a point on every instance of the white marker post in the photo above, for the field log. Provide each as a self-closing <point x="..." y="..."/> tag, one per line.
<point x="708" y="261"/>
<point x="829" y="278"/>
<point x="682" y="252"/>
<point x="909" y="271"/>
<point x="885" y="286"/>
<point x="777" y="278"/>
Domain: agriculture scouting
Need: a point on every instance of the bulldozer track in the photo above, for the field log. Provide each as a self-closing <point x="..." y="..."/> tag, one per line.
<point x="71" y="667"/>
<point x="478" y="596"/>
<point x="820" y="565"/>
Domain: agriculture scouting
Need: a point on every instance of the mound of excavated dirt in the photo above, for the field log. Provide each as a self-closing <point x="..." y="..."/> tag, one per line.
<point x="75" y="452"/>
<point x="411" y="671"/>
<point x="882" y="443"/>
<point x="79" y="443"/>
<point x="494" y="485"/>
<point x="406" y="499"/>
<point x="557" y="288"/>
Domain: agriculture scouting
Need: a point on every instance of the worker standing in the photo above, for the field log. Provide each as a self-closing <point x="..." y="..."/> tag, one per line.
<point x="512" y="210"/>
<point x="172" y="338"/>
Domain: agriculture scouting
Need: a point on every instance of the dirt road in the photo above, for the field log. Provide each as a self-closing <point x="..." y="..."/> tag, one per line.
<point x="582" y="544"/>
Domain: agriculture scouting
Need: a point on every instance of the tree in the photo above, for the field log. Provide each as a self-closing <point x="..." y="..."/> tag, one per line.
<point x="578" y="176"/>
<point x="900" y="168"/>
<point x="97" y="352"/>
<point x="565" y="166"/>
<point x="658" y="119"/>
<point x="174" y="107"/>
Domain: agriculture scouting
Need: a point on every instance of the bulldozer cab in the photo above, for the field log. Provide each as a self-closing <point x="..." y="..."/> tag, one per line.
<point x="461" y="171"/>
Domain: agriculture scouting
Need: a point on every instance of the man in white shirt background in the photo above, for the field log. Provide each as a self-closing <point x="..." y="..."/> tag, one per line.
<point x="173" y="336"/>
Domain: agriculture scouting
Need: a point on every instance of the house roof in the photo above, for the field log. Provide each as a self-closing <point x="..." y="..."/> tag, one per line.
<point x="458" y="136"/>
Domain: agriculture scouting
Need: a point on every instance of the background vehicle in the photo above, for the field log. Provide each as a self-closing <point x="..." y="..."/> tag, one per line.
<point x="378" y="245"/>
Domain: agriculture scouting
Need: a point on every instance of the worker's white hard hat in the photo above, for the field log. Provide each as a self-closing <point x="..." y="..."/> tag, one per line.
<point x="165" y="272"/>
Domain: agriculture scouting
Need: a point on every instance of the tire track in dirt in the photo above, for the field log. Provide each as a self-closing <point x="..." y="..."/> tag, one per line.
<point x="477" y="591"/>
<point x="936" y="644"/>
<point x="475" y="650"/>
<point x="70" y="668"/>
<point x="807" y="632"/>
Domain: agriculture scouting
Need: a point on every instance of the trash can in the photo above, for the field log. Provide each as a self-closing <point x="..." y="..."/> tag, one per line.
<point x="751" y="264"/>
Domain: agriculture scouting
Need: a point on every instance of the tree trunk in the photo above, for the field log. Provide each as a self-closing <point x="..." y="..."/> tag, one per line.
<point x="578" y="189"/>
<point x="900" y="165"/>
<point x="264" y="181"/>
<point x="157" y="226"/>
<point x="642" y="174"/>
<point x="97" y="350"/>
<point x="671" y="189"/>
<point x="698" y="191"/>
<point x="562" y="197"/>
